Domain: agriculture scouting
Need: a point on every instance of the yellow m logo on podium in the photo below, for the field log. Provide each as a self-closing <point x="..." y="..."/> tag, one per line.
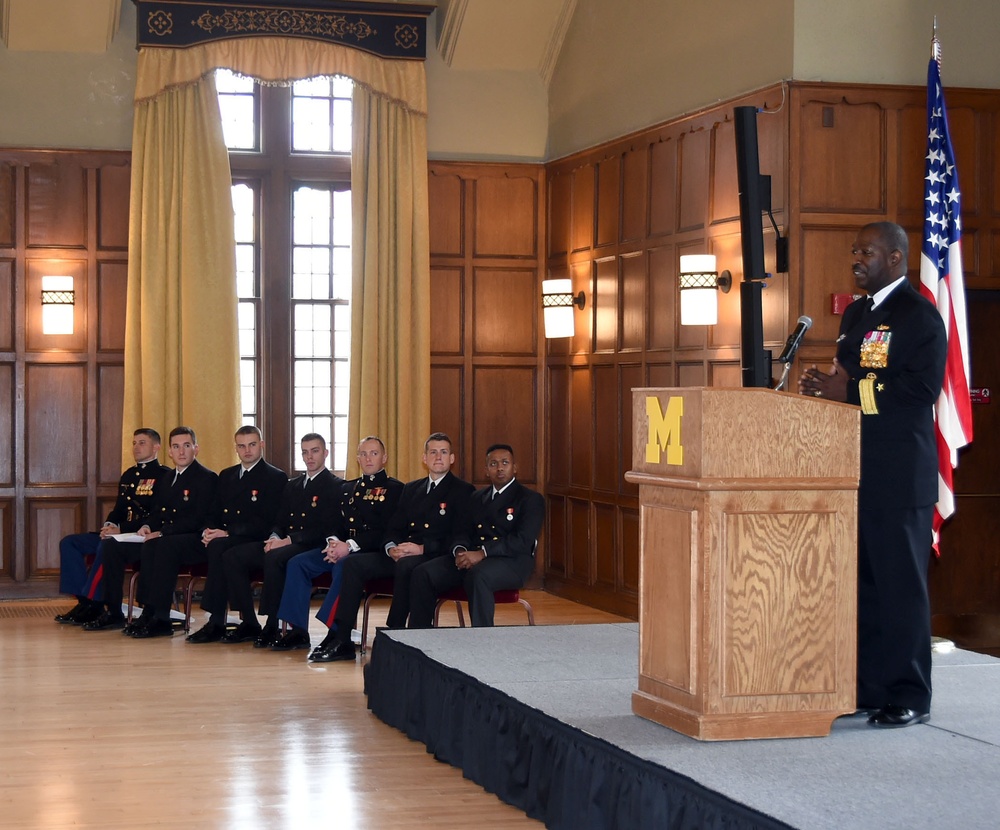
<point x="664" y="431"/>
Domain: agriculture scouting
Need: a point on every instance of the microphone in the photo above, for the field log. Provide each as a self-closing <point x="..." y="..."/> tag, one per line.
<point x="795" y="339"/>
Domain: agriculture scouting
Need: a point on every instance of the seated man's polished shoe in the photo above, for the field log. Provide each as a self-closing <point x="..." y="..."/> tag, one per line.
<point x="90" y="613"/>
<point x="208" y="633"/>
<point x="156" y="628"/>
<point x="105" y="622"/>
<point x="243" y="633"/>
<point x="137" y="624"/>
<point x="891" y="715"/>
<point x="70" y="616"/>
<point x="267" y="638"/>
<point x="292" y="640"/>
<point x="333" y="652"/>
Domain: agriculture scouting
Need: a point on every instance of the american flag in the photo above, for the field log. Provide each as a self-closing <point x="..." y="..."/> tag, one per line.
<point x="942" y="283"/>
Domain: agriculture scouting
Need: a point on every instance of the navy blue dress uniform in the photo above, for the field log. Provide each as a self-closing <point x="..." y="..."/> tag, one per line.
<point x="894" y="356"/>
<point x="183" y="505"/>
<point x="367" y="506"/>
<point x="137" y="489"/>
<point x="306" y="515"/>
<point x="426" y="515"/>
<point x="507" y="528"/>
<point x="245" y="507"/>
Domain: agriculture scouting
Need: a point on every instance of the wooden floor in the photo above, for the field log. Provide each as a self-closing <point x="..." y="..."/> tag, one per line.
<point x="101" y="731"/>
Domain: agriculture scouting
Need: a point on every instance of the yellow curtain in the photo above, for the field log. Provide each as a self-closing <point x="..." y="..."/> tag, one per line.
<point x="181" y="349"/>
<point x="390" y="350"/>
<point x="390" y="301"/>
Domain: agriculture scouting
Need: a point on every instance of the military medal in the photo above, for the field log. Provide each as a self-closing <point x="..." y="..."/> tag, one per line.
<point x="510" y="514"/>
<point x="253" y="495"/>
<point x="443" y="505"/>
<point x="315" y="499"/>
<point x="875" y="349"/>
<point x="186" y="494"/>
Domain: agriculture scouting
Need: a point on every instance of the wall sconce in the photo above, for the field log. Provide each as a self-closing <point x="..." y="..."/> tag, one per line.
<point x="557" y="307"/>
<point x="58" y="298"/>
<point x="699" y="283"/>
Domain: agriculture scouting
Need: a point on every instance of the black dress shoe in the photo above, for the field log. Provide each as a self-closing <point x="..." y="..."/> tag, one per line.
<point x="243" y="633"/>
<point x="891" y="715"/>
<point x="70" y="616"/>
<point x="332" y="653"/>
<point x="156" y="628"/>
<point x="137" y="624"/>
<point x="292" y="640"/>
<point x="209" y="633"/>
<point x="105" y="622"/>
<point x="267" y="638"/>
<point x="90" y="613"/>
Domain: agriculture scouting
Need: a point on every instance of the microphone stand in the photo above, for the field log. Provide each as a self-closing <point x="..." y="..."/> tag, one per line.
<point x="784" y="377"/>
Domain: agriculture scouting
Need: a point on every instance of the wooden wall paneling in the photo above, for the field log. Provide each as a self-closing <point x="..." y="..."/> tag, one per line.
<point x="104" y="507"/>
<point x="448" y="415"/>
<point x="448" y="304"/>
<point x="35" y="340"/>
<point x="559" y="425"/>
<point x="8" y="209"/>
<point x="112" y="280"/>
<point x="728" y="252"/>
<point x="841" y="155"/>
<point x="110" y="392"/>
<point x="581" y="419"/>
<point x="50" y="519"/>
<point x="630" y="553"/>
<point x="609" y="176"/>
<point x="693" y="180"/>
<point x="560" y="212"/>
<point x="632" y="330"/>
<point x="55" y="428"/>
<point x="505" y="216"/>
<point x="725" y="193"/>
<point x="607" y="561"/>
<point x="663" y="186"/>
<point x="113" y="185"/>
<point x="582" y="275"/>
<point x="7" y="424"/>
<point x="629" y="378"/>
<point x="555" y="528"/>
<point x="504" y="410"/>
<point x="635" y="192"/>
<point x="580" y="568"/>
<point x="445" y="194"/>
<point x="6" y="305"/>
<point x="583" y="207"/>
<point x="659" y="376"/>
<point x="605" y="428"/>
<point x="56" y="209"/>
<point x="826" y="269"/>
<point x="660" y="311"/>
<point x="606" y="304"/>
<point x="505" y="310"/>
<point x="6" y="538"/>
<point x="691" y="374"/>
<point x="725" y="373"/>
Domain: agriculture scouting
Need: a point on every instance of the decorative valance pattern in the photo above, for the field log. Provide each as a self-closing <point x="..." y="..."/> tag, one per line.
<point x="389" y="30"/>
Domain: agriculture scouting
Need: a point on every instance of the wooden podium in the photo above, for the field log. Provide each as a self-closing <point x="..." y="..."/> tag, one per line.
<point x="748" y="574"/>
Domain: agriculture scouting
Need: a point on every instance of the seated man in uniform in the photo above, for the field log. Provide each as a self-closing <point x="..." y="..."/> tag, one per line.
<point x="136" y="492"/>
<point x="493" y="549"/>
<point x="367" y="506"/>
<point x="182" y="506"/>
<point x="419" y="531"/>
<point x="246" y="502"/>
<point x="310" y="507"/>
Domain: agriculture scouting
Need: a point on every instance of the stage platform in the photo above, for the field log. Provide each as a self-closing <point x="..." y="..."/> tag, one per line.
<point x="542" y="717"/>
